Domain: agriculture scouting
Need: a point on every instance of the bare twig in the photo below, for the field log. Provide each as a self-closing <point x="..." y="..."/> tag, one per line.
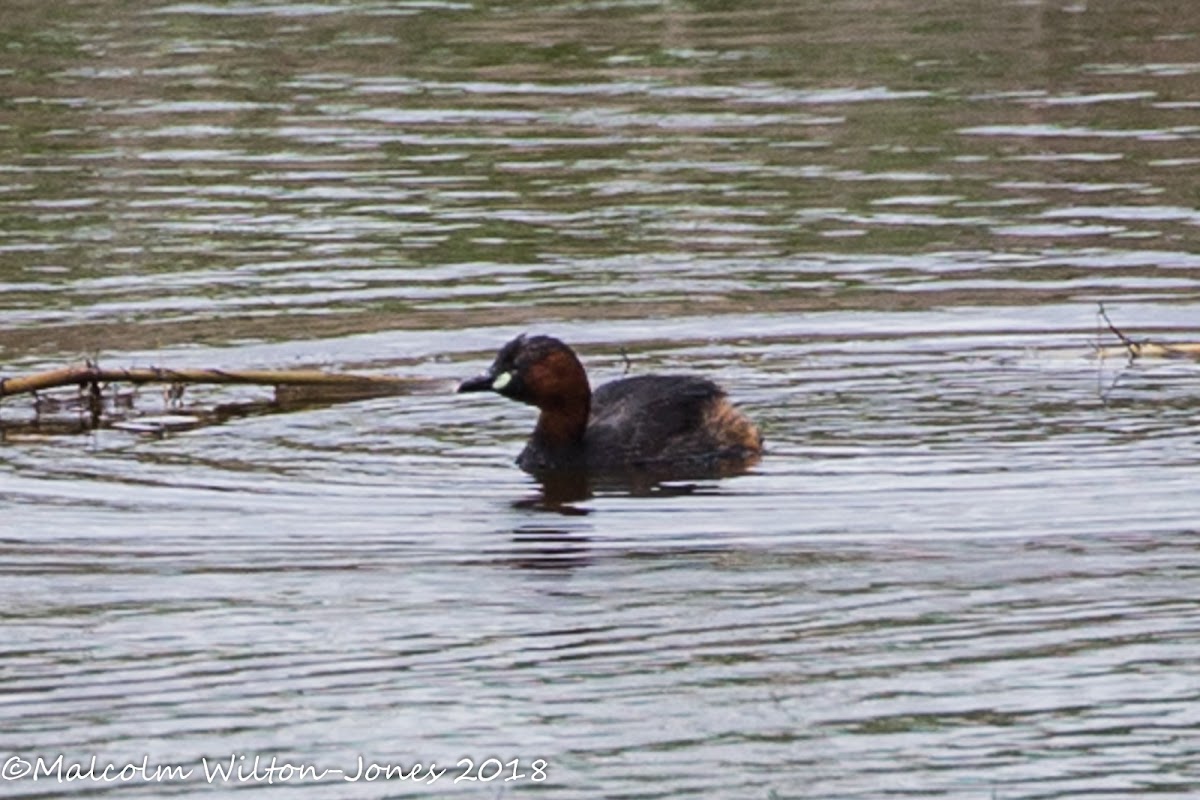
<point x="625" y="358"/>
<point x="1125" y="340"/>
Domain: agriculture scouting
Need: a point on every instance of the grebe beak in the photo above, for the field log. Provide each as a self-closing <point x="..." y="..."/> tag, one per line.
<point x="480" y="383"/>
<point x="489" y="381"/>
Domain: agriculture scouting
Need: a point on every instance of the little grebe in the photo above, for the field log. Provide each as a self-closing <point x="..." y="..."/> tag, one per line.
<point x="664" y="423"/>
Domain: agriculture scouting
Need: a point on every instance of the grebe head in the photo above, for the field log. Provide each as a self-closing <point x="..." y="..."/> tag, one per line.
<point x="538" y="370"/>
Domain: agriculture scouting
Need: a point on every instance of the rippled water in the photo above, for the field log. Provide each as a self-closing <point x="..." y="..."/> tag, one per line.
<point x="967" y="566"/>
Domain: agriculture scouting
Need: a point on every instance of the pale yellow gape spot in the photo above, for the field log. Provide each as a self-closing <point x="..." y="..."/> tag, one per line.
<point x="502" y="380"/>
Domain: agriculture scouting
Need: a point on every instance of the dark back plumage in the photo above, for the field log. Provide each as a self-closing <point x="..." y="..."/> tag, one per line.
<point x="649" y="417"/>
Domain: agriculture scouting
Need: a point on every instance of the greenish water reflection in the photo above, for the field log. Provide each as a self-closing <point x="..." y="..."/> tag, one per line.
<point x="965" y="568"/>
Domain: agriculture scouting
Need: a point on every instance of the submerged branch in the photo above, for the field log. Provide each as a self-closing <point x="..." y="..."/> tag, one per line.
<point x="1145" y="348"/>
<point x="95" y="407"/>
<point x="91" y="375"/>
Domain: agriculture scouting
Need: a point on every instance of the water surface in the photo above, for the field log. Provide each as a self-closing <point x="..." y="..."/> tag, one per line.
<point x="966" y="567"/>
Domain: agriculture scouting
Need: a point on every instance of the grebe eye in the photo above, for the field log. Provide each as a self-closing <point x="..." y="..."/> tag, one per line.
<point x="502" y="380"/>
